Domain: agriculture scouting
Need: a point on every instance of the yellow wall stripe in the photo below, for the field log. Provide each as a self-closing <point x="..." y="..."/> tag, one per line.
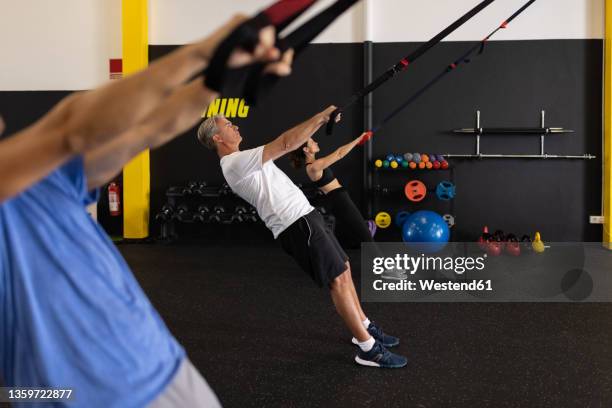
<point x="136" y="174"/>
<point x="607" y="165"/>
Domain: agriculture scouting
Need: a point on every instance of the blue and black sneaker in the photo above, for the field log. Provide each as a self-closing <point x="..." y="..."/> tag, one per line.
<point x="380" y="357"/>
<point x="376" y="332"/>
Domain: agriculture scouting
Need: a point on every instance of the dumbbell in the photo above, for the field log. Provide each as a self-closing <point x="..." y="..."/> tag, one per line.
<point x="214" y="218"/>
<point x="180" y="211"/>
<point x="237" y="219"/>
<point x="252" y="216"/>
<point x="240" y="210"/>
<point x="225" y="190"/>
<point x="202" y="213"/>
<point x="165" y="213"/>
<point x="199" y="187"/>
<point x="216" y="215"/>
<point x="191" y="187"/>
<point x="182" y="214"/>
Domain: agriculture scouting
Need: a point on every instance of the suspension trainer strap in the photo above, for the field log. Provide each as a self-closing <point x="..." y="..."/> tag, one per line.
<point x="297" y="40"/>
<point x="246" y="36"/>
<point x="406" y="61"/>
<point x="451" y="67"/>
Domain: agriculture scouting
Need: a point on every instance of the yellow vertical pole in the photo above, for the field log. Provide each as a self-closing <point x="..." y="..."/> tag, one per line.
<point x="136" y="174"/>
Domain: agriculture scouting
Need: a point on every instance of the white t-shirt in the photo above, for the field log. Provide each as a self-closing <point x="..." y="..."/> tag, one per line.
<point x="279" y="202"/>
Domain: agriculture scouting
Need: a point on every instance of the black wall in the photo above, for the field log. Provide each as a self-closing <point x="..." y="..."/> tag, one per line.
<point x="21" y="108"/>
<point x="510" y="83"/>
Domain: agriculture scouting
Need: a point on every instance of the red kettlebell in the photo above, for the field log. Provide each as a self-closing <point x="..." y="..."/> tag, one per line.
<point x="484" y="238"/>
<point x="493" y="247"/>
<point x="513" y="246"/>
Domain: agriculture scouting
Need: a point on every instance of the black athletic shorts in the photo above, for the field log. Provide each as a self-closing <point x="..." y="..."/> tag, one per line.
<point x="315" y="248"/>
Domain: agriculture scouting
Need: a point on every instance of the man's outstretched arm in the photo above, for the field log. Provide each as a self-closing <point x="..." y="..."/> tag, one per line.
<point x="100" y="115"/>
<point x="84" y="121"/>
<point x="296" y="137"/>
<point x="179" y="112"/>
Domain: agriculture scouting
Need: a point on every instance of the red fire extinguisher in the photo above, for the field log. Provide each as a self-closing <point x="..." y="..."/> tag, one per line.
<point x="114" y="202"/>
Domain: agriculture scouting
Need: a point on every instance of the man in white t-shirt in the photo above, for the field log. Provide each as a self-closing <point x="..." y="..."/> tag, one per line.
<point x="252" y="175"/>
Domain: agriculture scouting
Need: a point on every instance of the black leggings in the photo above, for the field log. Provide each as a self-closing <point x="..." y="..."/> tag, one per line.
<point x="349" y="218"/>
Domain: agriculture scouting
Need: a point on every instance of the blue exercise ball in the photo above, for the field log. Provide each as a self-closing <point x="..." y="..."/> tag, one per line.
<point x="426" y="231"/>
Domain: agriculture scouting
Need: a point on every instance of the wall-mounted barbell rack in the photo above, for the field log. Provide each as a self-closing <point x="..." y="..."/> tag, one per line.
<point x="542" y="131"/>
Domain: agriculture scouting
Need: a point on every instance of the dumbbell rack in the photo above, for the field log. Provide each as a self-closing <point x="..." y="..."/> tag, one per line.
<point x="397" y="193"/>
<point x="199" y="203"/>
<point x="542" y="131"/>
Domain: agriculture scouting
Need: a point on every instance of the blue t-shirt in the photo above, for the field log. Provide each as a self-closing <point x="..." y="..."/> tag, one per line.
<point x="72" y="315"/>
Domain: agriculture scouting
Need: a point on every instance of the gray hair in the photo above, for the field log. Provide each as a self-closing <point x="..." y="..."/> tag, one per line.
<point x="207" y="130"/>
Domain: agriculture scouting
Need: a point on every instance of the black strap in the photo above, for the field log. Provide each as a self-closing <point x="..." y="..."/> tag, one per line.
<point x="297" y="40"/>
<point x="246" y="36"/>
<point x="406" y="61"/>
<point x="303" y="35"/>
<point x="451" y="67"/>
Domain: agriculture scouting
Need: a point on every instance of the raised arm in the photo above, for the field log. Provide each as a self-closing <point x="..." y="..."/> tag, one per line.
<point x="103" y="114"/>
<point x="82" y="122"/>
<point x="324" y="162"/>
<point x="296" y="137"/>
<point x="178" y="113"/>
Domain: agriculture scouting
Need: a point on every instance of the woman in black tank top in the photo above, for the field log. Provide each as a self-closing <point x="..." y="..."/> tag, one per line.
<point x="335" y="199"/>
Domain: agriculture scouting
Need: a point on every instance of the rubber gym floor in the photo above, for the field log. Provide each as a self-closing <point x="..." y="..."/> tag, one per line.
<point x="264" y="335"/>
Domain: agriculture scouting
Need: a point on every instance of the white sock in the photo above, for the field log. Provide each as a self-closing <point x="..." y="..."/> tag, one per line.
<point x="366" y="345"/>
<point x="366" y="323"/>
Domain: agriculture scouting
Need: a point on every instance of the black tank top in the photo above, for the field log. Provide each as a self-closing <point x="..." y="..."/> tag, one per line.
<point x="326" y="178"/>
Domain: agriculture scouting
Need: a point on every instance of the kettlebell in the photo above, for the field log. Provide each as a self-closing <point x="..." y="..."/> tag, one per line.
<point x="513" y="247"/>
<point x="537" y="244"/>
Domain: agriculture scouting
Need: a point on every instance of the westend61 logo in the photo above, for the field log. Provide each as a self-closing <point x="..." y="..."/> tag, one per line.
<point x="463" y="272"/>
<point x="412" y="264"/>
<point x="228" y="107"/>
